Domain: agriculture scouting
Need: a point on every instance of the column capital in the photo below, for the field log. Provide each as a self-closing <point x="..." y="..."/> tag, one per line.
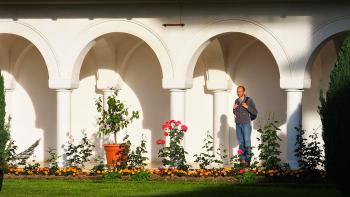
<point x="219" y="90"/>
<point x="177" y="90"/>
<point x="63" y="83"/>
<point x="177" y="83"/>
<point x="294" y="90"/>
<point x="106" y="86"/>
<point x="296" y="82"/>
<point x="9" y="81"/>
<point x="107" y="79"/>
<point x="108" y="90"/>
<point x="218" y="85"/>
<point x="63" y="90"/>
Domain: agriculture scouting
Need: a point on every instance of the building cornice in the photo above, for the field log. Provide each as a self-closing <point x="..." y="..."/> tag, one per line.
<point x="121" y="2"/>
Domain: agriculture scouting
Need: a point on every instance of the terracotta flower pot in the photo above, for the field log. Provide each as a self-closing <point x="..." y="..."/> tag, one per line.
<point x="116" y="154"/>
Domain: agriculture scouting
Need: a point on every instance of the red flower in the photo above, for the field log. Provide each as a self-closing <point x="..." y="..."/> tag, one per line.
<point x="166" y="125"/>
<point x="177" y="123"/>
<point x="160" y="142"/>
<point x="241" y="171"/>
<point x="240" y="152"/>
<point x="184" y="128"/>
<point x="165" y="133"/>
<point x="172" y="122"/>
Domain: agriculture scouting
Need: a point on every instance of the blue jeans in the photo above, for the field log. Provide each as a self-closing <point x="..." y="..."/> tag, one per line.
<point x="243" y="132"/>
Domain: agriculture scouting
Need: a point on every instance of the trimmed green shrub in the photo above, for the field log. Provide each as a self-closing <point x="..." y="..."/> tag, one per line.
<point x="334" y="112"/>
<point x="4" y="134"/>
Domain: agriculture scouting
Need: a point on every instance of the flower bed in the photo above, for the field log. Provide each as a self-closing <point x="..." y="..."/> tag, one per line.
<point x="165" y="174"/>
<point x="175" y="166"/>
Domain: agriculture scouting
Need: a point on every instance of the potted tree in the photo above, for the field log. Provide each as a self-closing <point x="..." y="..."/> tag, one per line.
<point x="114" y="118"/>
<point x="4" y="134"/>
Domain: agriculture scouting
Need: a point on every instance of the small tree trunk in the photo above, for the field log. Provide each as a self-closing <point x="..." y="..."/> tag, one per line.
<point x="115" y="138"/>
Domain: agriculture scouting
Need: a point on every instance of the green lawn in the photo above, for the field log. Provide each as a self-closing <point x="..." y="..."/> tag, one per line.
<point x="104" y="188"/>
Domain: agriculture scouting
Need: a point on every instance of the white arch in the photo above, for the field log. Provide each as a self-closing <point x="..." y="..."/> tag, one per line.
<point x="37" y="39"/>
<point x="321" y="34"/>
<point x="86" y="39"/>
<point x="252" y="28"/>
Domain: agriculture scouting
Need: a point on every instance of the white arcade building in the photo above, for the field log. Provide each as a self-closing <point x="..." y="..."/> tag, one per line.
<point x="171" y="60"/>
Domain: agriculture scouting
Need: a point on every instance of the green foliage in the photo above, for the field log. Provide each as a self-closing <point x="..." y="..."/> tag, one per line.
<point x="78" y="155"/>
<point x="136" y="158"/>
<point x="207" y="159"/>
<point x="29" y="168"/>
<point x="52" y="160"/>
<point x="248" y="177"/>
<point x="4" y="134"/>
<point x="309" y="153"/>
<point x="99" y="167"/>
<point x="174" y="155"/>
<point x="334" y="112"/>
<point x="14" y="159"/>
<point x="22" y="157"/>
<point x="11" y="148"/>
<point x="239" y="163"/>
<point x="269" y="145"/>
<point x="140" y="176"/>
<point x="112" y="176"/>
<point x="115" y="118"/>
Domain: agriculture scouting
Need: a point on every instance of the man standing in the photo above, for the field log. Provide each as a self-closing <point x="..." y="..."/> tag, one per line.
<point x="244" y="111"/>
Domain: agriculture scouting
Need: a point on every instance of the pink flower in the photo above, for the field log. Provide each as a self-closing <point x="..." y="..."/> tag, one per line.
<point x="184" y="128"/>
<point x="242" y="161"/>
<point x="240" y="152"/>
<point x="241" y="171"/>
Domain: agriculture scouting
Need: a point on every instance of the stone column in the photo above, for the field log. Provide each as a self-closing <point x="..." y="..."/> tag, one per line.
<point x="294" y="118"/>
<point x="177" y="108"/>
<point x="220" y="122"/>
<point x="177" y="104"/>
<point x="63" y="119"/>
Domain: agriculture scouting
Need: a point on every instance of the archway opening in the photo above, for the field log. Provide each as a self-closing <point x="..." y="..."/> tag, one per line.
<point x="243" y="60"/>
<point x="30" y="102"/>
<point x="140" y="73"/>
<point x="318" y="70"/>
